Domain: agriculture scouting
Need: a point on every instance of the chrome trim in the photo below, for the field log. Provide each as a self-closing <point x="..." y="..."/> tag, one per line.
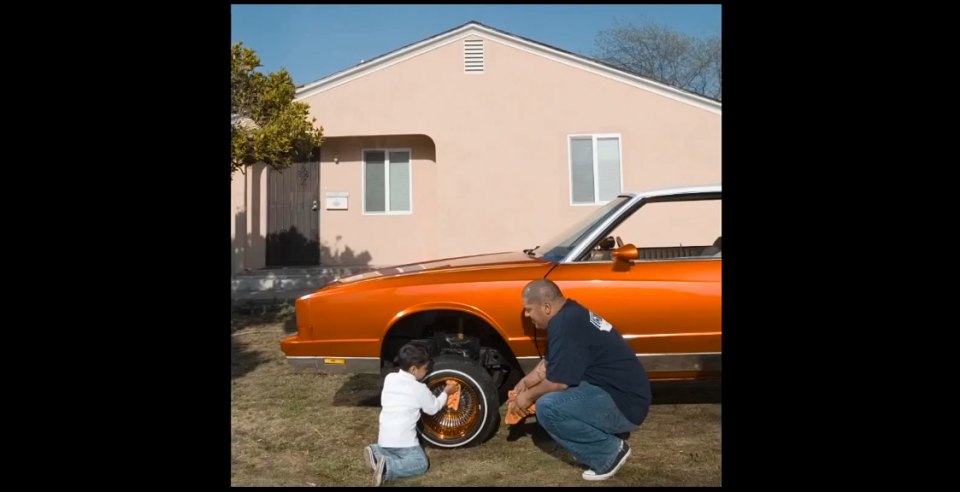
<point x="662" y="335"/>
<point x="680" y="362"/>
<point x="367" y="365"/>
<point x="678" y="258"/>
<point x="528" y="363"/>
<point x="697" y="362"/>
<point x="670" y="194"/>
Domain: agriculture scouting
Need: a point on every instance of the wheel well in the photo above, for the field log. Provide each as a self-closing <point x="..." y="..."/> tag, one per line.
<point x="427" y="324"/>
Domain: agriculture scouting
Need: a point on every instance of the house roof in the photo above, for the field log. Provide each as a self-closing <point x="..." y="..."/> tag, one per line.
<point x="535" y="47"/>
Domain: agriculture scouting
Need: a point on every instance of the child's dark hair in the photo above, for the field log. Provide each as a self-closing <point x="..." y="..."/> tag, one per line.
<point x="411" y="355"/>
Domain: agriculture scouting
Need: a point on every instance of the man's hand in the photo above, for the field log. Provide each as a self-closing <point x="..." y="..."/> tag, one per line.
<point x="520" y="387"/>
<point x="524" y="400"/>
<point x="537" y="375"/>
<point x="452" y="387"/>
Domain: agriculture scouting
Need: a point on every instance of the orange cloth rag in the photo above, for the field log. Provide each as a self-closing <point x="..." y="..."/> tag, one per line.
<point x="513" y="413"/>
<point x="453" y="401"/>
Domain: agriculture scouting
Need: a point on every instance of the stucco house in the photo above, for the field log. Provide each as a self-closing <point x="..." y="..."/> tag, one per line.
<point x="472" y="141"/>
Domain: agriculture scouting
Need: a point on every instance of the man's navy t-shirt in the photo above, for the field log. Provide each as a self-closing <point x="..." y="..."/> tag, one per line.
<point x="582" y="346"/>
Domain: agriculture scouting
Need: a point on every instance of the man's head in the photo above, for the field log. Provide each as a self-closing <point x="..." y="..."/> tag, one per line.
<point x="541" y="301"/>
<point x="413" y="359"/>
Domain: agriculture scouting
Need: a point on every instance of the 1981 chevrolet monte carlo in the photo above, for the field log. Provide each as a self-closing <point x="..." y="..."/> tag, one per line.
<point x="467" y="311"/>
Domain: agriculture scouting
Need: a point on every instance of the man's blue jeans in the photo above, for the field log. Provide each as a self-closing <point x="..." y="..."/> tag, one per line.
<point x="583" y="419"/>
<point x="401" y="462"/>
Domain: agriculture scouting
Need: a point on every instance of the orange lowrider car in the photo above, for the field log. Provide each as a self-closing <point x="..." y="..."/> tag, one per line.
<point x="467" y="311"/>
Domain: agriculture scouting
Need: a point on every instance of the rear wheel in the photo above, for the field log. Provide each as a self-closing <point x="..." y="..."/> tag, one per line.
<point x="477" y="416"/>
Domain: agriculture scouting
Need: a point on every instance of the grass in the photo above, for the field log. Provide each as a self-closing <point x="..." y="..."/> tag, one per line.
<point x="293" y="429"/>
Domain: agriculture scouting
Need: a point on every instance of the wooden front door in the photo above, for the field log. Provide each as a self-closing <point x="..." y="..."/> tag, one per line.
<point x="293" y="215"/>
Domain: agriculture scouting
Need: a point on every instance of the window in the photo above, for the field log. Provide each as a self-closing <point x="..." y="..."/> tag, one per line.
<point x="594" y="168"/>
<point x="668" y="230"/>
<point x="386" y="181"/>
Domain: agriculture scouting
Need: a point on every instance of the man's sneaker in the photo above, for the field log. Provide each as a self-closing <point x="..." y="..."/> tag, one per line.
<point x="368" y="457"/>
<point x="617" y="463"/>
<point x="378" y="473"/>
<point x="623" y="435"/>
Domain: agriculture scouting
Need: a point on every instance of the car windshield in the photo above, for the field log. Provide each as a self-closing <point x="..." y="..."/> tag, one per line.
<point x="558" y="247"/>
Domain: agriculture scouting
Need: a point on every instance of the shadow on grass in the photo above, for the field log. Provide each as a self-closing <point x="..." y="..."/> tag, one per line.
<point x="685" y="392"/>
<point x="361" y="390"/>
<point x="664" y="393"/>
<point x="249" y="315"/>
<point x="540" y="438"/>
<point x="243" y="359"/>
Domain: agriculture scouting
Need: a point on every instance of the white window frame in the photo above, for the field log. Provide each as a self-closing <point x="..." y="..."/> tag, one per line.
<point x="386" y="180"/>
<point x="596" y="181"/>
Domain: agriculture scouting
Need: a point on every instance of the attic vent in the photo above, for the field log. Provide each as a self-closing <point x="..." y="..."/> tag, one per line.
<point x="473" y="56"/>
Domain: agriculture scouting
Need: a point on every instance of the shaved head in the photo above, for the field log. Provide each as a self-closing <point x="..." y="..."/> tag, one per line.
<point x="540" y="291"/>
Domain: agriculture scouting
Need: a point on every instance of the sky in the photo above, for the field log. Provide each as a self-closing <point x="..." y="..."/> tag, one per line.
<point x="313" y="41"/>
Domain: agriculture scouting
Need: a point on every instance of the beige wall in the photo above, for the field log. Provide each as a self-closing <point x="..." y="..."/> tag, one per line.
<point x="238" y="221"/>
<point x="500" y="179"/>
<point x="248" y="218"/>
<point x="673" y="224"/>
<point x="390" y="239"/>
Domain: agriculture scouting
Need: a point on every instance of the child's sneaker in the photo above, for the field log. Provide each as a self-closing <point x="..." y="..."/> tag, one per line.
<point x="368" y="457"/>
<point x="378" y="473"/>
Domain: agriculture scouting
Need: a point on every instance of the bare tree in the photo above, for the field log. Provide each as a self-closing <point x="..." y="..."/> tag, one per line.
<point x="655" y="51"/>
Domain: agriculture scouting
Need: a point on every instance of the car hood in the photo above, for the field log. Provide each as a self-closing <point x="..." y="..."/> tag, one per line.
<point x="487" y="261"/>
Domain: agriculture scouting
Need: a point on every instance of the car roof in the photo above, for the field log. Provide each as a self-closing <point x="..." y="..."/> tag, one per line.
<point x="684" y="190"/>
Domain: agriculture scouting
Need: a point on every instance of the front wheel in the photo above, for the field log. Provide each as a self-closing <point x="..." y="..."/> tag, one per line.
<point x="477" y="416"/>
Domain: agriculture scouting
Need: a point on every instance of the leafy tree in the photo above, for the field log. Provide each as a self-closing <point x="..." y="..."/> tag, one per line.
<point x="266" y="125"/>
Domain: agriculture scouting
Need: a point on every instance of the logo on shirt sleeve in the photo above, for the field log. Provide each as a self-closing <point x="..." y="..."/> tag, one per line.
<point x="599" y="322"/>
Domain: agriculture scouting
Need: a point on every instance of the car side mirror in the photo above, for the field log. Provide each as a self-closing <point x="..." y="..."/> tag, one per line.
<point x="626" y="252"/>
<point x="607" y="243"/>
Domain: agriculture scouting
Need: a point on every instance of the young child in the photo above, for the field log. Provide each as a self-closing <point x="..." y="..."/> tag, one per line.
<point x="398" y="453"/>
